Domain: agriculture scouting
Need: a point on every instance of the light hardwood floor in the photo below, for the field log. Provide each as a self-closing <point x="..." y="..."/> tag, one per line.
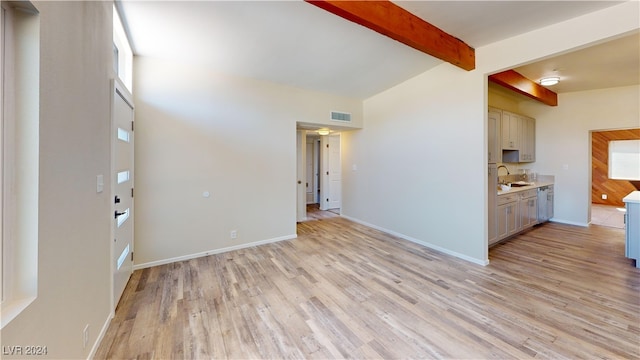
<point x="342" y="290"/>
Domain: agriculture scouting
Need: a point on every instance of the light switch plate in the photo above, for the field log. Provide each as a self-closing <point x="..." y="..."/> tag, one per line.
<point x="99" y="184"/>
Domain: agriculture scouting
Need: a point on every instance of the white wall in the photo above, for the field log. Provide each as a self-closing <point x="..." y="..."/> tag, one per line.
<point x="421" y="156"/>
<point x="74" y="221"/>
<point x="416" y="162"/>
<point x="198" y="130"/>
<point x="563" y="138"/>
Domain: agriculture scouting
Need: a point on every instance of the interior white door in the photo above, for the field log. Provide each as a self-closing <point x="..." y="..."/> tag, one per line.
<point x="301" y="150"/>
<point x="316" y="170"/>
<point x="309" y="173"/>
<point x="335" y="173"/>
<point x="332" y="173"/>
<point x="122" y="177"/>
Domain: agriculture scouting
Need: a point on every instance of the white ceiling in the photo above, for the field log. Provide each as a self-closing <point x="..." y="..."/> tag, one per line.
<point x="611" y="64"/>
<point x="298" y="44"/>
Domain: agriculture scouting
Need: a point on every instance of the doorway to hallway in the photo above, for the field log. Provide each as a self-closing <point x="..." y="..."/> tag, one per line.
<point x="319" y="172"/>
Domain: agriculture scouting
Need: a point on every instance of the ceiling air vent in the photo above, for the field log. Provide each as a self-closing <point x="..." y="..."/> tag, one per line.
<point x="340" y="116"/>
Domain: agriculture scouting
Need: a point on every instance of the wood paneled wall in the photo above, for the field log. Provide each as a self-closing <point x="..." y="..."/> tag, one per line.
<point x="600" y="182"/>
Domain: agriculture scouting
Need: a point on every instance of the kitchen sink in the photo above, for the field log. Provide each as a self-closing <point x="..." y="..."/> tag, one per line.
<point x="520" y="184"/>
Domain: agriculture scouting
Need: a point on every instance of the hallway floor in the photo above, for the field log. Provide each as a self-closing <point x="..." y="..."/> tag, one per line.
<point x="607" y="215"/>
<point x="314" y="212"/>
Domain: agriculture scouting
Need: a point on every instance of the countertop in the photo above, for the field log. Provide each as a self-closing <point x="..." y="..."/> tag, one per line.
<point x="634" y="197"/>
<point x="534" y="186"/>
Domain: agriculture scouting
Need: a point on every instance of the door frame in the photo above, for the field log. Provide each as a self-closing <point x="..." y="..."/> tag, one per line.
<point x="323" y="166"/>
<point x="314" y="181"/>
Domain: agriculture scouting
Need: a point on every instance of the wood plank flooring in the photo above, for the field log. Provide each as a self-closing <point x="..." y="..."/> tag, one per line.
<point x="342" y="290"/>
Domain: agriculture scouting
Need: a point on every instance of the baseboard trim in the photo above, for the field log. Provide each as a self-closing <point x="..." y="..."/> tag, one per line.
<point x="420" y="242"/>
<point x="101" y="335"/>
<point x="211" y="252"/>
<point x="567" y="222"/>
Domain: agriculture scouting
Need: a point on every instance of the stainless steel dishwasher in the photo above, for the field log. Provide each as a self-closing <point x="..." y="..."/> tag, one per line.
<point x="545" y="203"/>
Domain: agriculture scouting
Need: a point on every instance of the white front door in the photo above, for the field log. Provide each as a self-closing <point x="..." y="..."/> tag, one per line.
<point x="122" y="177"/>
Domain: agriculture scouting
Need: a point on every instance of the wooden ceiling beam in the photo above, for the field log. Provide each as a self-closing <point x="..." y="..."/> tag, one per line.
<point x="513" y="80"/>
<point x="397" y="23"/>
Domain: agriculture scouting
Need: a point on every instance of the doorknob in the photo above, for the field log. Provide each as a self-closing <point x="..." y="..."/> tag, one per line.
<point x="117" y="200"/>
<point x="119" y="213"/>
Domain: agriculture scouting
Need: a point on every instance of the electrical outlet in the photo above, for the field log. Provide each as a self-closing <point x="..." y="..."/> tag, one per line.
<point x="85" y="336"/>
<point x="233" y="234"/>
<point x="604" y="196"/>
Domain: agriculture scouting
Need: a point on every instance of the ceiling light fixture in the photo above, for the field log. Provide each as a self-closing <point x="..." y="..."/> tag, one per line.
<point x="548" y="81"/>
<point x="323" y="132"/>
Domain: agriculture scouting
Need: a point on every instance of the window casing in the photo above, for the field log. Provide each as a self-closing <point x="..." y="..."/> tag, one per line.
<point x="20" y="74"/>
<point x="122" y="53"/>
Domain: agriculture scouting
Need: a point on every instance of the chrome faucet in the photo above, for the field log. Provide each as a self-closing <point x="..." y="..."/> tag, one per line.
<point x="498" y="172"/>
<point x="502" y="166"/>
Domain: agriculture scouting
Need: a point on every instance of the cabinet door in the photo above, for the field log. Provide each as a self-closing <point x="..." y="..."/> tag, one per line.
<point x="531" y="139"/>
<point x="527" y="139"/>
<point x="502" y="222"/>
<point x="494" y="136"/>
<point x="524" y="213"/>
<point x="510" y="130"/>
<point x="632" y="232"/>
<point x="533" y="211"/>
<point x="528" y="212"/>
<point x="523" y="140"/>
<point x="513" y="223"/>
<point x="493" y="195"/>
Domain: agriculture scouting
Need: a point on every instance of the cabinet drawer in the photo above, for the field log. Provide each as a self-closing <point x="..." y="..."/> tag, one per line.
<point x="505" y="199"/>
<point x="528" y="194"/>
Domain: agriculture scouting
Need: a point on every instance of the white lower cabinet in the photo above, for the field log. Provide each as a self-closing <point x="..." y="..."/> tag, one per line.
<point x="632" y="227"/>
<point x="493" y="202"/>
<point x="508" y="220"/>
<point x="528" y="208"/>
<point x="518" y="211"/>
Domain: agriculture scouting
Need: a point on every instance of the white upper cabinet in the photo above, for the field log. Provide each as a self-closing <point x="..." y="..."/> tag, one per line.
<point x="494" y="136"/>
<point x="518" y="138"/>
<point x="527" y="139"/>
<point x="510" y="131"/>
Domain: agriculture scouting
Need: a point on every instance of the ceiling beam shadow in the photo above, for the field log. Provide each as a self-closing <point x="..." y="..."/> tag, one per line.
<point x="397" y="23"/>
<point x="513" y="80"/>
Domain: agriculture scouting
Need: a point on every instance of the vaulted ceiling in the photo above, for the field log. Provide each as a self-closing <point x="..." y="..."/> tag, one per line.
<point x="298" y="44"/>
